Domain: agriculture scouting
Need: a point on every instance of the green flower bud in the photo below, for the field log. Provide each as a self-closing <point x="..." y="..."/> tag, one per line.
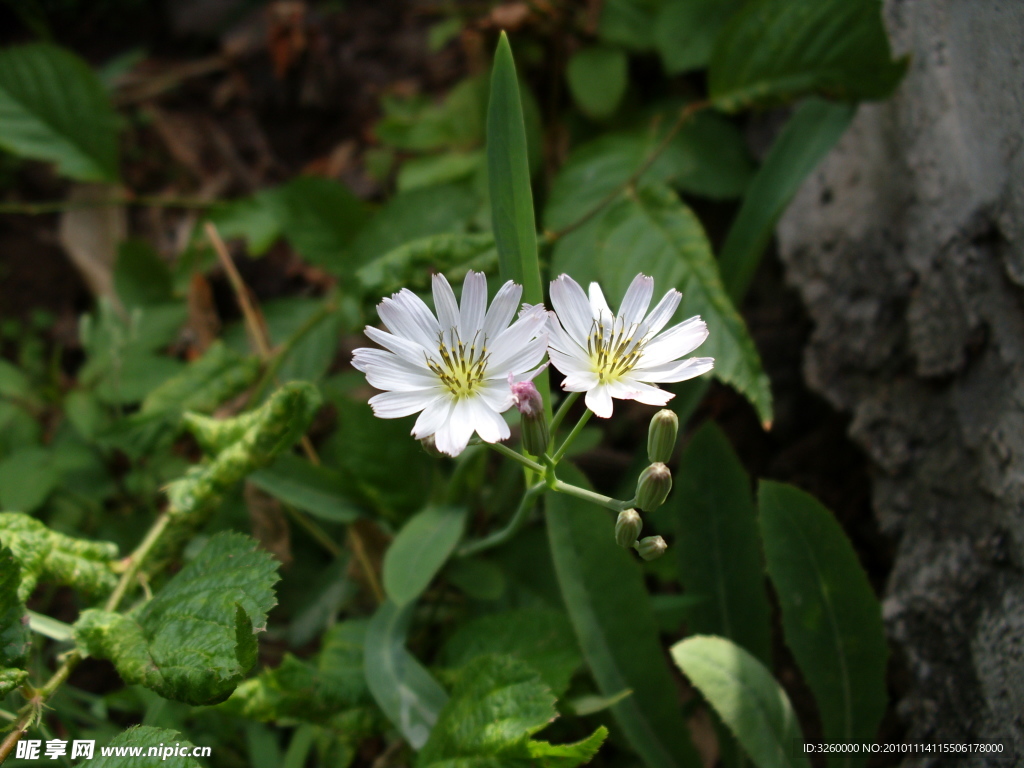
<point x="431" y="447"/>
<point x="661" y="436"/>
<point x="651" y="547"/>
<point x="627" y="528"/>
<point x="653" y="486"/>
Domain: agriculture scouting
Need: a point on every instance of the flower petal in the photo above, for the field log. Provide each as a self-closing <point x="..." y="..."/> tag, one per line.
<point x="433" y="417"/>
<point x="637" y="299"/>
<point x="474" y="302"/>
<point x="488" y="424"/>
<point x="661" y="314"/>
<point x="503" y="308"/>
<point x="410" y="351"/>
<point x="573" y="308"/>
<point x="406" y="315"/>
<point x="598" y="303"/>
<point x="496" y="395"/>
<point x="444" y="302"/>
<point x="580" y="381"/>
<point x="386" y="370"/>
<point x="395" y="405"/>
<point x="599" y="400"/>
<point x="677" y="341"/>
<point x="461" y="426"/>
<point x="680" y="370"/>
<point x="511" y="341"/>
<point x="631" y="389"/>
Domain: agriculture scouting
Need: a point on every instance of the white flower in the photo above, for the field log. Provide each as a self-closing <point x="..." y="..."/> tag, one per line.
<point x="453" y="367"/>
<point x="621" y="356"/>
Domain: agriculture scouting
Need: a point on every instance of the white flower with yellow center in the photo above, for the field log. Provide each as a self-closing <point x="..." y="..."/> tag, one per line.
<point x="621" y="356"/>
<point x="453" y="368"/>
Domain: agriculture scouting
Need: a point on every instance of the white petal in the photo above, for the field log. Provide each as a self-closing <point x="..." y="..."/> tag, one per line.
<point x="661" y="314"/>
<point x="573" y="308"/>
<point x="395" y="405"/>
<point x="524" y="358"/>
<point x="411" y="351"/>
<point x="562" y="341"/>
<point x="488" y="424"/>
<point x="502" y="309"/>
<point x="512" y="340"/>
<point x="433" y="417"/>
<point x="675" y="371"/>
<point x="444" y="302"/>
<point x="630" y="389"/>
<point x="496" y="395"/>
<point x="568" y="363"/>
<point x="406" y="315"/>
<point x="474" y="302"/>
<point x="637" y="299"/>
<point x="461" y="425"/>
<point x="598" y="303"/>
<point x="385" y="370"/>
<point x="677" y="341"/>
<point x="580" y="382"/>
<point x="599" y="400"/>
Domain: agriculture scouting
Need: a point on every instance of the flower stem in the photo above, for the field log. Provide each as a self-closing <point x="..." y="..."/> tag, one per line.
<point x="500" y="537"/>
<point x="595" y="498"/>
<point x="572" y="435"/>
<point x="563" y="411"/>
<point x="504" y="450"/>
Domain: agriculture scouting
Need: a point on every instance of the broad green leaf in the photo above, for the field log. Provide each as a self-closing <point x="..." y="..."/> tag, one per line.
<point x="257" y="219"/>
<point x="629" y="22"/>
<point x="420" y="549"/>
<point x="478" y="578"/>
<point x="508" y="172"/>
<point x="773" y="51"/>
<point x="409" y="265"/>
<point x="830" y="615"/>
<point x="141" y="277"/>
<point x="607" y="601"/>
<point x="665" y="239"/>
<point x="320" y="218"/>
<point x="540" y="637"/>
<point x="309" y="353"/>
<point x="432" y="170"/>
<point x="144" y="738"/>
<point x="747" y="698"/>
<point x="809" y="134"/>
<point x="497" y="704"/>
<point x="418" y="125"/>
<point x="318" y="490"/>
<point x="46" y="555"/>
<point x="54" y="108"/>
<point x="14" y="383"/>
<point x="205" y="383"/>
<point x="15" y="638"/>
<point x="405" y="691"/>
<point x="718" y="545"/>
<point x="685" y="31"/>
<point x="196" y="639"/>
<point x="27" y="477"/>
<point x="597" y="79"/>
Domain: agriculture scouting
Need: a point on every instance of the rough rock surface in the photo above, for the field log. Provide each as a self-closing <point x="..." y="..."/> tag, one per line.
<point x="907" y="246"/>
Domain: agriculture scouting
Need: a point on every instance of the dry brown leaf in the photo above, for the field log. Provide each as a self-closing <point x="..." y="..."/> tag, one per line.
<point x="90" y="236"/>
<point x="269" y="523"/>
<point x="203" y="323"/>
<point x="510" y="16"/>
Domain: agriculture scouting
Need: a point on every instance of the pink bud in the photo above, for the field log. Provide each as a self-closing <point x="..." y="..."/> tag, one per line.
<point x="526" y="397"/>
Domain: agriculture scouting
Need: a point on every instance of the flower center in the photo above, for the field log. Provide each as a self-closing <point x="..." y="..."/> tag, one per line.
<point x="613" y="350"/>
<point x="461" y="368"/>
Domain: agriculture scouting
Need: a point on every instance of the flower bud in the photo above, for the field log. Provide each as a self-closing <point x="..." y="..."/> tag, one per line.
<point x="661" y="436"/>
<point x="431" y="447"/>
<point x="653" y="486"/>
<point x="651" y="547"/>
<point x="536" y="434"/>
<point x="627" y="528"/>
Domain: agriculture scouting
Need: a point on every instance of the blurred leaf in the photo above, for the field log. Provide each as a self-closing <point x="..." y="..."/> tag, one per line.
<point x="666" y="240"/>
<point x="443" y="32"/>
<point x="310" y="351"/>
<point x="830" y="615"/>
<point x="141" y="278"/>
<point x="15" y="384"/>
<point x="205" y="383"/>
<point x="685" y="31"/>
<point x="630" y="23"/>
<point x="540" y="637"/>
<point x="590" y="704"/>
<point x="597" y="79"/>
<point x="27" y="477"/>
<point x="11" y="679"/>
<point x="773" y="51"/>
<point x="809" y="134"/>
<point x="318" y="490"/>
<point x="747" y="698"/>
<point x="718" y="544"/>
<point x="406" y="692"/>
<point x="670" y="611"/>
<point x="331" y="589"/>
<point x="320" y="219"/>
<point x="418" y="125"/>
<point x="477" y="578"/>
<point x="143" y="737"/>
<point x="257" y="219"/>
<point x="433" y="170"/>
<point x="409" y="265"/>
<point x="610" y="610"/>
<point x="54" y="108"/>
<point x="195" y="640"/>
<point x="15" y="638"/>
<point x="420" y="550"/>
<point x="497" y="704"/>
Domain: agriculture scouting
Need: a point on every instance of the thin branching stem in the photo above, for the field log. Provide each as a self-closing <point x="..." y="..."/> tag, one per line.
<point x="514" y="524"/>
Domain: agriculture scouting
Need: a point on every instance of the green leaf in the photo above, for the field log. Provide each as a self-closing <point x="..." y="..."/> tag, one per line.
<point x="747" y="698"/>
<point x="46" y="555"/>
<point x="257" y="219"/>
<point x="497" y="704"/>
<point x="195" y="640"/>
<point x="54" y="108"/>
<point x="685" y="31"/>
<point x="15" y="638"/>
<point x="597" y="79"/>
<point x="205" y="384"/>
<point x="774" y="51"/>
<point x="718" y="545"/>
<point x="27" y="477"/>
<point x="432" y="170"/>
<point x="630" y="23"/>
<point x="318" y="490"/>
<point x="320" y="218"/>
<point x="408" y="265"/>
<point x="609" y="607"/>
<point x="11" y="679"/>
<point x="540" y="637"/>
<point x="143" y="738"/>
<point x="809" y="134"/>
<point x="404" y="690"/>
<point x="508" y="172"/>
<point x="665" y="239"/>
<point x="830" y="615"/>
<point x="141" y="277"/>
<point x="478" y="578"/>
<point x="419" y="550"/>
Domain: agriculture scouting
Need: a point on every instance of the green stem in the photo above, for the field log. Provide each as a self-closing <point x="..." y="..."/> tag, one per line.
<point x="594" y="498"/>
<point x="504" y="450"/>
<point x="318" y="534"/>
<point x="58" y="206"/>
<point x="563" y="411"/>
<point x="500" y="537"/>
<point x="277" y="360"/>
<point x="572" y="435"/>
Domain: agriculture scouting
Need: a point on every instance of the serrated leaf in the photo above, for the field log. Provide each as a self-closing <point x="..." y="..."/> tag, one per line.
<point x="319" y="490"/>
<point x="665" y="239"/>
<point x="830" y="616"/>
<point x="772" y="51"/>
<point x="629" y="22"/>
<point x="408" y="265"/>
<point x="540" y="637"/>
<point x="54" y="108"/>
<point x="597" y="79"/>
<point x="497" y="704"/>
<point x="808" y="135"/>
<point x="195" y="640"/>
<point x="420" y="549"/>
<point x="27" y="477"/>
<point x="10" y="679"/>
<point x="685" y="31"/>
<point x="747" y="698"/>
<point x="405" y="691"/>
<point x="608" y="603"/>
<point x="46" y="555"/>
<point x="15" y="638"/>
<point x="143" y="737"/>
<point x="718" y="545"/>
